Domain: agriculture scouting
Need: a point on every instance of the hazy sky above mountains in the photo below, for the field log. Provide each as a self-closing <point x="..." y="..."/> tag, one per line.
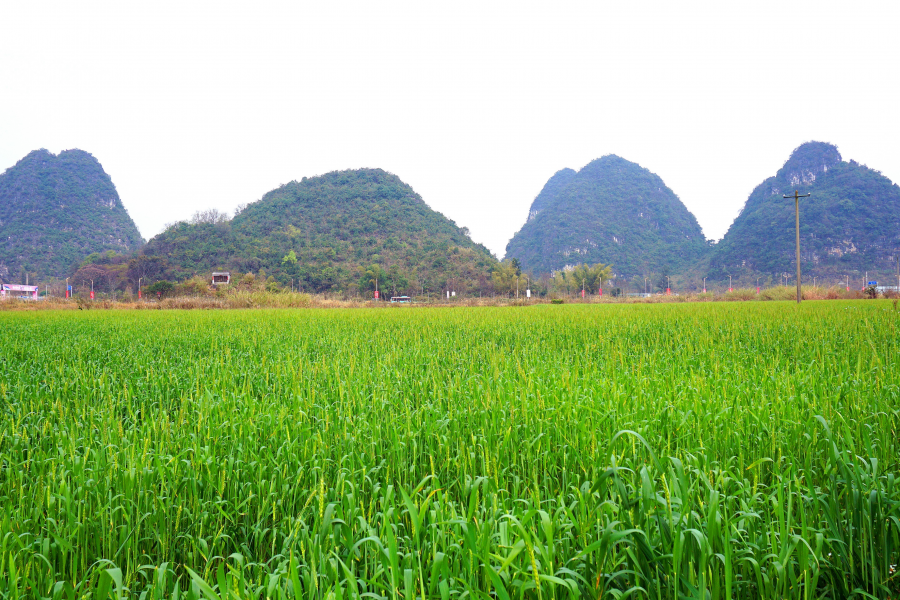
<point x="190" y="106"/>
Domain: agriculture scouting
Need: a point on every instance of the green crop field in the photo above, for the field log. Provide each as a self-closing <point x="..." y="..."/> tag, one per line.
<point x="739" y="450"/>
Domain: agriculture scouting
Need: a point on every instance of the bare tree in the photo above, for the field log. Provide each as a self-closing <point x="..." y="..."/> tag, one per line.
<point x="211" y="216"/>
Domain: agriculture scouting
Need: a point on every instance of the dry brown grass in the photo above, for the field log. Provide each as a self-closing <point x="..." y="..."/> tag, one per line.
<point x="244" y="298"/>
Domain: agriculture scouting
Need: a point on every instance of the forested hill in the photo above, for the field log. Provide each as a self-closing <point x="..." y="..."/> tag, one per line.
<point x="54" y="211"/>
<point x="850" y="224"/>
<point x="611" y="211"/>
<point x="333" y="232"/>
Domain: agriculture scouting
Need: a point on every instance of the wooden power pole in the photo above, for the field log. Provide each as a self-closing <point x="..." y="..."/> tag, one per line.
<point x="796" y="198"/>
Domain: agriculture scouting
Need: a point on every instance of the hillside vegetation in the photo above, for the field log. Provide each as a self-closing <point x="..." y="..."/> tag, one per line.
<point x="340" y="231"/>
<point x="54" y="211"/>
<point x="612" y="211"/>
<point x="850" y="224"/>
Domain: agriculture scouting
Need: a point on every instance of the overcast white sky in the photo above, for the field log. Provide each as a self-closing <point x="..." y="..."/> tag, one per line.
<point x="191" y="106"/>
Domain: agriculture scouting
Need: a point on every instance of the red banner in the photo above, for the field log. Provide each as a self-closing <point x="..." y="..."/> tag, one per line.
<point x="376" y="294"/>
<point x="92" y="294"/>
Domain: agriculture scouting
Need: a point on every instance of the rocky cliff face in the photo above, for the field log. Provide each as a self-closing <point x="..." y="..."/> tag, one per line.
<point x="809" y="161"/>
<point x="57" y="209"/>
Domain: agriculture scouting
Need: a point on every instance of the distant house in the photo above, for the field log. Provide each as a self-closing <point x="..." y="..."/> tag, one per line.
<point x="19" y="291"/>
<point x="221" y="277"/>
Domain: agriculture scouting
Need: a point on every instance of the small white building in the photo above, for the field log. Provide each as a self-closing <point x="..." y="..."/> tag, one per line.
<point x="8" y="290"/>
<point x="221" y="277"/>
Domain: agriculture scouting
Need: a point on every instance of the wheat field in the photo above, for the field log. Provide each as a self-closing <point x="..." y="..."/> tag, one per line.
<point x="714" y="450"/>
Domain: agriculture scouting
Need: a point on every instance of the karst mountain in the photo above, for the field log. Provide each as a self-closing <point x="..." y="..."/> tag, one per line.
<point x="54" y="211"/>
<point x="342" y="231"/>
<point x="849" y="224"/>
<point x="611" y="211"/>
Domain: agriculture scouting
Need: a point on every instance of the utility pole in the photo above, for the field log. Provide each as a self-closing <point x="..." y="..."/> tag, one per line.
<point x="704" y="285"/>
<point x="730" y="289"/>
<point x="796" y="198"/>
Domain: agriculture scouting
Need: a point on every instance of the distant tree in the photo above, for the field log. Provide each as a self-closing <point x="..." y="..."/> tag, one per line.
<point x="505" y="278"/>
<point x="160" y="288"/>
<point x="590" y="276"/>
<point x="209" y="216"/>
<point x="397" y="282"/>
<point x="146" y="268"/>
<point x="290" y="258"/>
<point x="372" y="275"/>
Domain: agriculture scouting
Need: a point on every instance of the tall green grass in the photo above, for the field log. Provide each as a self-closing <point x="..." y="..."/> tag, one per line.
<point x="662" y="451"/>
